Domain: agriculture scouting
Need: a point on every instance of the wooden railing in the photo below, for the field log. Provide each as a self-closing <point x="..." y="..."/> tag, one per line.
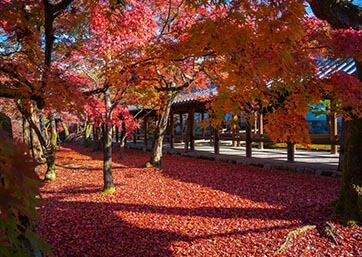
<point x="319" y="139"/>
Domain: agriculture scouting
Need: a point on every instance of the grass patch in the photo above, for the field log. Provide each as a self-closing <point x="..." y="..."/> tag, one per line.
<point x="314" y="147"/>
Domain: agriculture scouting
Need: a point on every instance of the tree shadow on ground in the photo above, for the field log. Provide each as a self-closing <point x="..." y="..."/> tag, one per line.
<point x="86" y="227"/>
<point x="302" y="196"/>
<point x="94" y="229"/>
<point x="128" y="160"/>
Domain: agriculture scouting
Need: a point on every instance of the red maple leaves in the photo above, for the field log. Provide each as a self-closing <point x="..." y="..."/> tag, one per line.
<point x="189" y="208"/>
<point x="96" y="111"/>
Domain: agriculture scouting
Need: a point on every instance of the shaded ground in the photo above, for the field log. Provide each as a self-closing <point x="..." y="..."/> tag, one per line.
<point x="190" y="207"/>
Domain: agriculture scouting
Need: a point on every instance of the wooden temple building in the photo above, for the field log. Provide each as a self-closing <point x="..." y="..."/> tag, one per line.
<point x="189" y="122"/>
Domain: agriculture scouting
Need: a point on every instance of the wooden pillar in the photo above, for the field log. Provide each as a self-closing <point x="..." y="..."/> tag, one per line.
<point x="172" y="130"/>
<point x="235" y="131"/>
<point x="233" y="135"/>
<point x="212" y="134"/>
<point x="248" y="141"/>
<point x="117" y="134"/>
<point x="181" y="128"/>
<point x="203" y="128"/>
<point x="135" y="136"/>
<point x="191" y="129"/>
<point x="255" y="122"/>
<point x="333" y="128"/>
<point x="146" y="130"/>
<point x="260" y="131"/>
<point x="291" y="152"/>
<point x="333" y="132"/>
<point x="216" y="140"/>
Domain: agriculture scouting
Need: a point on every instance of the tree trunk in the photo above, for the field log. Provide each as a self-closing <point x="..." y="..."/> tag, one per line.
<point x="343" y="15"/>
<point x="98" y="138"/>
<point x="122" y="143"/>
<point x="350" y="198"/>
<point x="342" y="143"/>
<point x="50" y="155"/>
<point x="39" y="119"/>
<point x="31" y="139"/>
<point x="156" y="153"/>
<point x="87" y="134"/>
<point x="108" y="186"/>
<point x="65" y="128"/>
<point x="290" y="152"/>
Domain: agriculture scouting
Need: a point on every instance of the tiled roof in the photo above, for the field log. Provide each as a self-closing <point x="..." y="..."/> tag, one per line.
<point x="326" y="67"/>
<point x="187" y="97"/>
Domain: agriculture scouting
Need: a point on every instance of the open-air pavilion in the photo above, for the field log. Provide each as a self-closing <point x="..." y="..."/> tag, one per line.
<point x="188" y="112"/>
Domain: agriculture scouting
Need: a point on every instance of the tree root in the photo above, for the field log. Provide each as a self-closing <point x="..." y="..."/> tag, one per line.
<point x="292" y="235"/>
<point x="330" y="232"/>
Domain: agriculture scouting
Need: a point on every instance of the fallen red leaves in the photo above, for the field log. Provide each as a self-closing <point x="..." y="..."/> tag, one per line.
<point x="190" y="207"/>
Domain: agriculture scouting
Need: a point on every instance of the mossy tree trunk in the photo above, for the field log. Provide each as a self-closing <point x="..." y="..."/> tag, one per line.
<point x="342" y="142"/>
<point x="156" y="152"/>
<point x="108" y="186"/>
<point x="350" y="198"/>
<point x="50" y="155"/>
<point x="65" y="129"/>
<point x="48" y="148"/>
<point x="87" y="134"/>
<point x="30" y="137"/>
<point x="98" y="132"/>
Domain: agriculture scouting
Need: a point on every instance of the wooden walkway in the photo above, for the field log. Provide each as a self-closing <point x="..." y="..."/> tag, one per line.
<point x="310" y="162"/>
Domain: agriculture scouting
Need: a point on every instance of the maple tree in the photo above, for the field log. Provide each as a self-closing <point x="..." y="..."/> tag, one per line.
<point x="268" y="61"/>
<point x="168" y="81"/>
<point x="345" y="17"/>
<point x="26" y="72"/>
<point x="117" y="36"/>
<point x="172" y="68"/>
<point x="105" y="115"/>
<point x="261" y="54"/>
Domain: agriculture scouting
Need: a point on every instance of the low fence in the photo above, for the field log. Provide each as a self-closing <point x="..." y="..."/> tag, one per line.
<point x="318" y="139"/>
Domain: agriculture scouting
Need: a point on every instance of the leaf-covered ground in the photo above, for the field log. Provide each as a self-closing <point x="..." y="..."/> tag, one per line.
<point x="190" y="207"/>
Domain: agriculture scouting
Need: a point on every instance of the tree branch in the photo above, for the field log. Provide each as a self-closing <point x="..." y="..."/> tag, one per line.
<point x="96" y="91"/>
<point x="341" y="14"/>
<point x="58" y="7"/>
